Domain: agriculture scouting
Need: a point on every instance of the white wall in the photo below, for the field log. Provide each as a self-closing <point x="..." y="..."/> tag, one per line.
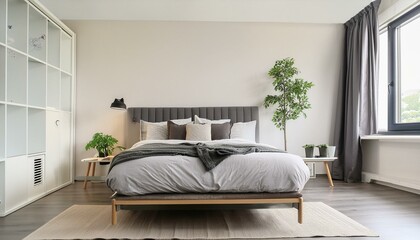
<point x="392" y="161"/>
<point x="172" y="64"/>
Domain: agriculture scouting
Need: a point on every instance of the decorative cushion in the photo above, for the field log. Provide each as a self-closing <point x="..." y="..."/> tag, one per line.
<point x="144" y="124"/>
<point x="244" y="130"/>
<point x="176" y="131"/>
<point x="198" y="132"/>
<point x="198" y="120"/>
<point x="220" y="131"/>
<point x="156" y="132"/>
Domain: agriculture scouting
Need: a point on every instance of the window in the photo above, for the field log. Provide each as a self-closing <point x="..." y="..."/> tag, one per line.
<point x="383" y="82"/>
<point x="403" y="72"/>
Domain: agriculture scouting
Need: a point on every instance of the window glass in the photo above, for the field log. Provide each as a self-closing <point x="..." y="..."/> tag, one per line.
<point x="404" y="73"/>
<point x="408" y="98"/>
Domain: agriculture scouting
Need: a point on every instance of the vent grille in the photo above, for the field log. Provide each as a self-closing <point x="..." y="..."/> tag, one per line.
<point x="37" y="171"/>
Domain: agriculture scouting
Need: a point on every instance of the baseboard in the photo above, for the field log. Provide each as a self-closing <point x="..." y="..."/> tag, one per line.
<point x="398" y="183"/>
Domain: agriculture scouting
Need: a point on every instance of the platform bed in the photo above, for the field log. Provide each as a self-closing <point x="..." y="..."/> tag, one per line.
<point x="208" y="199"/>
<point x="235" y="114"/>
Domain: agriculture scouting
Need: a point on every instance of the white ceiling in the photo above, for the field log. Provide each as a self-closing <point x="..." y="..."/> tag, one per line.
<point x="298" y="11"/>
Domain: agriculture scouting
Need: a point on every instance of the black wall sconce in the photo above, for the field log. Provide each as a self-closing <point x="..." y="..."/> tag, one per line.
<point x="118" y="104"/>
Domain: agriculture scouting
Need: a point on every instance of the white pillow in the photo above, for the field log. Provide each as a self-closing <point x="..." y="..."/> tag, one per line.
<point x="198" y="132"/>
<point x="145" y="124"/>
<point x="244" y="130"/>
<point x="156" y="132"/>
<point x="198" y="120"/>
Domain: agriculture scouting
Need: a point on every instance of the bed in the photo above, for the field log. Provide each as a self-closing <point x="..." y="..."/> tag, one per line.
<point x="209" y="172"/>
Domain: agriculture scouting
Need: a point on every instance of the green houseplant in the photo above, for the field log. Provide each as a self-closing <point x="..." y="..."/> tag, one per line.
<point x="309" y="150"/>
<point x="291" y="99"/>
<point x="322" y="150"/>
<point x="104" y="144"/>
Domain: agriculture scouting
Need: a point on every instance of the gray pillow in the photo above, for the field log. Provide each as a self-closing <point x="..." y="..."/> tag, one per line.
<point x="220" y="131"/>
<point x="176" y="131"/>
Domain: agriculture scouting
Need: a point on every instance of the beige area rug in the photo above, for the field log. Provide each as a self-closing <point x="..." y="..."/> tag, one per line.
<point x="94" y="222"/>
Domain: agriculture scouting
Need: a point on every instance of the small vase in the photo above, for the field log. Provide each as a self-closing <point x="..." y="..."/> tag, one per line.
<point x="309" y="152"/>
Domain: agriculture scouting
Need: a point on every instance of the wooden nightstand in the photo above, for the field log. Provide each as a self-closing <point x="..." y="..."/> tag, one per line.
<point x="325" y="160"/>
<point x="92" y="165"/>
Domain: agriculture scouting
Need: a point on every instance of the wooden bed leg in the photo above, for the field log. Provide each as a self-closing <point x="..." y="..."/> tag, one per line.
<point x="114" y="212"/>
<point x="300" y="210"/>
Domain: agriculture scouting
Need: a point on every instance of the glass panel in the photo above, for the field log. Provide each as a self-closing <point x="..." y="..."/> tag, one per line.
<point x="16" y="24"/>
<point x="2" y="21"/>
<point x="65" y="53"/>
<point x="65" y="92"/>
<point x="37" y="35"/>
<point x="16" y="131"/>
<point x="53" y="45"/>
<point x="409" y="73"/>
<point x="53" y="88"/>
<point x="2" y="130"/>
<point x="383" y="82"/>
<point x="2" y="73"/>
<point x="36" y="130"/>
<point x="16" y="77"/>
<point x="37" y="83"/>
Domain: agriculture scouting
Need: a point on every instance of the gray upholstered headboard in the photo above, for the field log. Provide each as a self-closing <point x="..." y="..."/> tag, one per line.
<point x="236" y="114"/>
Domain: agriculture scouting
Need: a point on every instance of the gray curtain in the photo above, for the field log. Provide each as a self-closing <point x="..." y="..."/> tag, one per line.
<point x="356" y="106"/>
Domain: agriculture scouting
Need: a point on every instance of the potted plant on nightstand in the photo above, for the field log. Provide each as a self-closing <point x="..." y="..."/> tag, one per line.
<point x="322" y="150"/>
<point x="309" y="150"/>
<point x="104" y="144"/>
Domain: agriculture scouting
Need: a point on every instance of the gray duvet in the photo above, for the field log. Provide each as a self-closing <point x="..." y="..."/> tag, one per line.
<point x="210" y="155"/>
<point x="252" y="172"/>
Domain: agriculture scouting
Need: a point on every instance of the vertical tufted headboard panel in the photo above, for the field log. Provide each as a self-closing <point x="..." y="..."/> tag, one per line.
<point x="236" y="114"/>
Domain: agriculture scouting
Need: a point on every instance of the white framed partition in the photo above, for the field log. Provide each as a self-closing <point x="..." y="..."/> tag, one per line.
<point x="37" y="85"/>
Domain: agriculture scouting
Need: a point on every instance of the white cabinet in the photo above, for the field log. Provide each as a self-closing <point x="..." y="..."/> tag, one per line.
<point x="52" y="159"/>
<point x="36" y="103"/>
<point x="58" y="152"/>
<point x="65" y="148"/>
<point x="16" y="190"/>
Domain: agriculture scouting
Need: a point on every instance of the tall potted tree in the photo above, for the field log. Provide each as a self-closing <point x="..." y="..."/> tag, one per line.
<point x="291" y="99"/>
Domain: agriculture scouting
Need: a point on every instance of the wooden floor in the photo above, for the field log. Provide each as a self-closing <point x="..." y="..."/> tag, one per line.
<point x="393" y="214"/>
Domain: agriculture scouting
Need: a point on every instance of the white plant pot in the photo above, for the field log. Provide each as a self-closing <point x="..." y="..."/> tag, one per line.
<point x="331" y="151"/>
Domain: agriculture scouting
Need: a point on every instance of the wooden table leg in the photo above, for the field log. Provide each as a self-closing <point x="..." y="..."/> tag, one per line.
<point x="327" y="168"/>
<point x="93" y="170"/>
<point x="87" y="175"/>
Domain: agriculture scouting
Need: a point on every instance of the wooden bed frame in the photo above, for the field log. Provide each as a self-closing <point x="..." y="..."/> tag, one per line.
<point x="209" y="199"/>
<point x="236" y="114"/>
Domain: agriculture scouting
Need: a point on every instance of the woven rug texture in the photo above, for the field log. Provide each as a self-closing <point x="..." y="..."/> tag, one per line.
<point x="94" y="222"/>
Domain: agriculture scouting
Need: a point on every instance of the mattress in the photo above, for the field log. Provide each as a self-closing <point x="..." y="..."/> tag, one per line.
<point x="254" y="172"/>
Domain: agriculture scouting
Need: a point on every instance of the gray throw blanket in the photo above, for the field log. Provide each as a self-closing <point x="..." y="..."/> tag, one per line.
<point x="211" y="156"/>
